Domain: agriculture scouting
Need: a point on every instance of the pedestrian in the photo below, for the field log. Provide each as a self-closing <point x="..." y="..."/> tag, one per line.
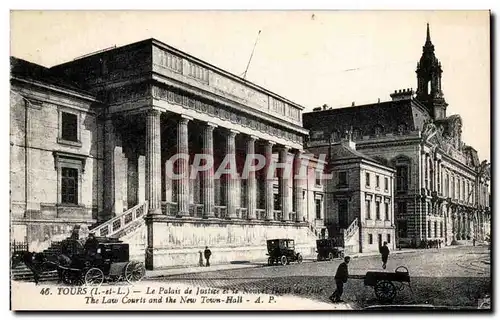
<point x="473" y="242"/>
<point x="340" y="278"/>
<point x="384" y="251"/>
<point x="208" y="253"/>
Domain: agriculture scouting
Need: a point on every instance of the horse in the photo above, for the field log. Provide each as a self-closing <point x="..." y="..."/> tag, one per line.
<point x="37" y="263"/>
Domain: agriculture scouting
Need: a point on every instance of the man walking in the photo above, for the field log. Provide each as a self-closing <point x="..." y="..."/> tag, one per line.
<point x="208" y="253"/>
<point x="384" y="251"/>
<point x="340" y="278"/>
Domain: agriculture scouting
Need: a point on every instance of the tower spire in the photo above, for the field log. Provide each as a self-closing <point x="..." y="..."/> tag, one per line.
<point x="428" y="40"/>
<point x="428" y="47"/>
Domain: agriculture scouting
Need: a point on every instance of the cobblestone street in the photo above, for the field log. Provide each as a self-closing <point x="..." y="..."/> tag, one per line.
<point x="442" y="277"/>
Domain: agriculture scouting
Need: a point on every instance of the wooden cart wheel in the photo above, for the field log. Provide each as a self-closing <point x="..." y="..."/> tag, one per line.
<point x="299" y="258"/>
<point x="283" y="260"/>
<point x="385" y="291"/>
<point x="94" y="277"/>
<point x="330" y="256"/>
<point x="134" y="271"/>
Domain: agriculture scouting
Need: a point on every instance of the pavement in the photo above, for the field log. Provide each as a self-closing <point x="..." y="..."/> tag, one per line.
<point x="174" y="271"/>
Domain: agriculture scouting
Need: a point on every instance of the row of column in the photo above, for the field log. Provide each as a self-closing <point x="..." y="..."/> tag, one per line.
<point x="153" y="173"/>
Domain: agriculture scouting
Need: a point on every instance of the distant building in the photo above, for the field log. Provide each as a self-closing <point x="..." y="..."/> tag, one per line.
<point x="360" y="199"/>
<point x="441" y="187"/>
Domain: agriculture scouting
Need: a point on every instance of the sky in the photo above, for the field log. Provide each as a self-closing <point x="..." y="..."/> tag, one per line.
<point x="310" y="57"/>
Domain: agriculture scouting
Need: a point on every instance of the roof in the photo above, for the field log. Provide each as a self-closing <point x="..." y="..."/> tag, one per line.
<point x="341" y="152"/>
<point x="363" y="119"/>
<point x="31" y="71"/>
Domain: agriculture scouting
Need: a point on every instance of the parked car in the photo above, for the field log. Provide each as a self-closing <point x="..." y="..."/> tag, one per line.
<point x="328" y="249"/>
<point x="282" y="251"/>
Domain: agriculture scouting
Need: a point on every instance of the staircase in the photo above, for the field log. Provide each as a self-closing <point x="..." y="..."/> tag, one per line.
<point x="116" y="227"/>
<point x="348" y="237"/>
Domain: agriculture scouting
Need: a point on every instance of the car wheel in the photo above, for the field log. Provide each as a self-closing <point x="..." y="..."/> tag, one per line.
<point x="299" y="258"/>
<point x="284" y="260"/>
<point x="330" y="256"/>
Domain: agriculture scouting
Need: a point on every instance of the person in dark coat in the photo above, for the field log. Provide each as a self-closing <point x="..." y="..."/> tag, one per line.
<point x="384" y="251"/>
<point x="207" y="253"/>
<point x="91" y="245"/>
<point x="340" y="278"/>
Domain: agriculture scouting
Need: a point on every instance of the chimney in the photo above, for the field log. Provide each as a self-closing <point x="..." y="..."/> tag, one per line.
<point x="347" y="141"/>
<point x="353" y="104"/>
<point x="405" y="94"/>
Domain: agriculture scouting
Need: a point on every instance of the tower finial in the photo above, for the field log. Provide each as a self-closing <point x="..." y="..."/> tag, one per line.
<point x="428" y="39"/>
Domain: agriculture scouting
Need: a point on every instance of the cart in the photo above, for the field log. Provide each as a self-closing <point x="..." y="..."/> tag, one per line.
<point x="110" y="263"/>
<point x="327" y="249"/>
<point x="282" y="251"/>
<point x="386" y="284"/>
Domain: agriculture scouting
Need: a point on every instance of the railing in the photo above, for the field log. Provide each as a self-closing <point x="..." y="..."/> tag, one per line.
<point x="220" y="211"/>
<point x="118" y="223"/>
<point x="16" y="246"/>
<point x="351" y="229"/>
<point x="260" y="214"/>
<point x="242" y="213"/>
<point x="278" y="215"/>
<point x="169" y="208"/>
<point x="196" y="210"/>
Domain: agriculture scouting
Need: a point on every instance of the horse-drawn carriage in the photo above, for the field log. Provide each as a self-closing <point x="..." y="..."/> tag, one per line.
<point x="282" y="251"/>
<point x="110" y="262"/>
<point x="76" y="265"/>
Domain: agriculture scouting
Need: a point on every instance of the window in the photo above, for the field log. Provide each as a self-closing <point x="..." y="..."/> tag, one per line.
<point x="453" y="187"/>
<point x="429" y="230"/>
<point x="318" y="208"/>
<point x="69" y="186"/>
<point x="368" y="209"/>
<point x="402" y="178"/>
<point x="435" y="229"/>
<point x="377" y="181"/>
<point x="378" y="130"/>
<point x="318" y="178"/>
<point x="402" y="228"/>
<point x="367" y="177"/>
<point x="277" y="201"/>
<point x="441" y="229"/>
<point x="377" y="210"/>
<point x="447" y="185"/>
<point x="379" y="240"/>
<point x="401" y="208"/>
<point x="401" y="128"/>
<point x="69" y="126"/>
<point x="463" y="189"/>
<point x="342" y="179"/>
<point x="343" y="213"/>
<point x="370" y="238"/>
<point x="387" y="213"/>
<point x="386" y="184"/>
<point x="388" y="238"/>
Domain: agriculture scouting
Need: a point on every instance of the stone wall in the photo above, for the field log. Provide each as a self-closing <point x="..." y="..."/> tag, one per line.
<point x="177" y="243"/>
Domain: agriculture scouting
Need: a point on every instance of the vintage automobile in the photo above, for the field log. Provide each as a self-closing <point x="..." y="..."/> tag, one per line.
<point x="282" y="251"/>
<point x="328" y="249"/>
<point x="110" y="263"/>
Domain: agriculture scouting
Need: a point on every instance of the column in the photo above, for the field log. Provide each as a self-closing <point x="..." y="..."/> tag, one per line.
<point x="109" y="169"/>
<point x="268" y="178"/>
<point x="153" y="161"/>
<point x="251" y="190"/>
<point x="183" y="167"/>
<point x="207" y="176"/>
<point x="298" y="185"/>
<point x="230" y="180"/>
<point x="284" y="183"/>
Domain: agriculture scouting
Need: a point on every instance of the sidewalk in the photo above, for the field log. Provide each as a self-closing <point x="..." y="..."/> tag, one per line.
<point x="175" y="271"/>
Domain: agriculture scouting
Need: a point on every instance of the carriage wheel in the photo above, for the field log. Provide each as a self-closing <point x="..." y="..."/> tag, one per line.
<point x="72" y="278"/>
<point x="94" y="277"/>
<point x="270" y="261"/>
<point x="330" y="256"/>
<point x="284" y="260"/>
<point x="385" y="291"/>
<point x="299" y="258"/>
<point x="134" y="271"/>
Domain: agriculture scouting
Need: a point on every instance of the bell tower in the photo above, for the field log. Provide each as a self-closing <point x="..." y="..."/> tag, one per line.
<point x="429" y="73"/>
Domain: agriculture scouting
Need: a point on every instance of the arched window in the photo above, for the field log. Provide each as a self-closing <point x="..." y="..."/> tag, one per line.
<point x="429" y="87"/>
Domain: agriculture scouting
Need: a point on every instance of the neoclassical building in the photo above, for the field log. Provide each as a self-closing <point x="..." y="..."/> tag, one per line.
<point x="441" y="186"/>
<point x="93" y="141"/>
